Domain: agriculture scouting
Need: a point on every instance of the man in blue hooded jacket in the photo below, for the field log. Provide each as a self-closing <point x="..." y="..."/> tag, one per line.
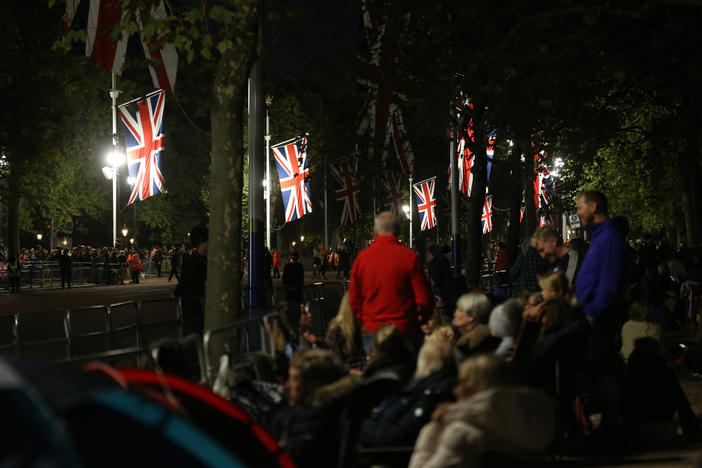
<point x="600" y="287"/>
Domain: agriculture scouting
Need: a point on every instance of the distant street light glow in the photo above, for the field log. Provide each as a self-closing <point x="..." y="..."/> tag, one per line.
<point x="115" y="158"/>
<point x="39" y="236"/>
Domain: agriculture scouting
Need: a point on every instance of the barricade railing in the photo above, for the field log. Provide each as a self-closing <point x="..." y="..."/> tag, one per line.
<point x="41" y="274"/>
<point x="241" y="328"/>
<point x="63" y="335"/>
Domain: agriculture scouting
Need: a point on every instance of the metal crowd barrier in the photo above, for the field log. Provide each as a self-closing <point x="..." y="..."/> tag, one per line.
<point x="241" y="328"/>
<point x="67" y="335"/>
<point x="48" y="274"/>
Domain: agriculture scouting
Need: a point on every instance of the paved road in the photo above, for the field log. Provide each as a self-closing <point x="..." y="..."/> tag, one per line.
<point x="82" y="295"/>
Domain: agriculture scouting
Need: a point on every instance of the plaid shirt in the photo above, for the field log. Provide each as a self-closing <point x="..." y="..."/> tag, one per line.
<point x="525" y="269"/>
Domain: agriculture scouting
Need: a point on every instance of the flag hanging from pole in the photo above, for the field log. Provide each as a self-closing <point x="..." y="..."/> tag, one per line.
<point x="103" y="18"/>
<point x="293" y="172"/>
<point x="392" y="182"/>
<point x="426" y="203"/>
<point x="143" y="140"/>
<point x="345" y="171"/>
<point x="486" y="218"/>
<point x="165" y="60"/>
<point x="381" y="116"/>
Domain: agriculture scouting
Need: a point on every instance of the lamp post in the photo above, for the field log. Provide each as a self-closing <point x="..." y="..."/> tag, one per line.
<point x="408" y="212"/>
<point x="114" y="160"/>
<point x="267" y="137"/>
<point x="39" y="236"/>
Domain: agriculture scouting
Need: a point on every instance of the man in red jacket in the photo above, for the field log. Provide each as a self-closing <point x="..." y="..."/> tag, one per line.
<point x="388" y="285"/>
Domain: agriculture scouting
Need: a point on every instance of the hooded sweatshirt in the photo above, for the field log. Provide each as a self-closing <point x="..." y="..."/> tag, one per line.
<point x="512" y="421"/>
<point x="604" y="269"/>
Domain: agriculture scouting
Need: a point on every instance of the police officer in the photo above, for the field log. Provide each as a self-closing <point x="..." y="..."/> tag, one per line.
<point x="191" y="287"/>
<point x="14" y="269"/>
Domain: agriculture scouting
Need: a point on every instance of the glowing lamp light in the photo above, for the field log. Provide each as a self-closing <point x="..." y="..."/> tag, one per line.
<point x="39" y="236"/>
<point x="124" y="231"/>
<point x="302" y="238"/>
<point x="107" y="172"/>
<point x="115" y="158"/>
<point x="405" y="208"/>
<point x="131" y="241"/>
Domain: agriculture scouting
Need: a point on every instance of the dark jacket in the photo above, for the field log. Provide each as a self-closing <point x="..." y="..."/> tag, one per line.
<point x="398" y="419"/>
<point x="602" y="275"/>
<point x="307" y="432"/>
<point x="294" y="280"/>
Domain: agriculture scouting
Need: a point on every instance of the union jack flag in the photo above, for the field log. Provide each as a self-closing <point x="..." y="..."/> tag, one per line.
<point x="143" y="139"/>
<point x="345" y="173"/>
<point x="486" y="219"/>
<point x="426" y="203"/>
<point x="392" y="183"/>
<point x="293" y="171"/>
<point x="466" y="158"/>
<point x="380" y="115"/>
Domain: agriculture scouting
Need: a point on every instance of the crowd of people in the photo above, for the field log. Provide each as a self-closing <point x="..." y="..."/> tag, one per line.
<point x="113" y="261"/>
<point x="419" y="360"/>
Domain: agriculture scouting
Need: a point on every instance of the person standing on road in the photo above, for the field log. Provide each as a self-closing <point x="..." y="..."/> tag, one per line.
<point x="14" y="269"/>
<point x="191" y="286"/>
<point x="135" y="267"/>
<point x="175" y="263"/>
<point x="277" y="263"/>
<point x="65" y="264"/>
<point x="388" y="286"/>
<point x="294" y="281"/>
<point x="157" y="258"/>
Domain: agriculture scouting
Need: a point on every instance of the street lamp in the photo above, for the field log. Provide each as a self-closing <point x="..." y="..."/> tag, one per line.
<point x="39" y="236"/>
<point x="114" y="160"/>
<point x="266" y="183"/>
<point x="124" y="231"/>
<point x="131" y="241"/>
<point x="405" y="208"/>
<point x="302" y="238"/>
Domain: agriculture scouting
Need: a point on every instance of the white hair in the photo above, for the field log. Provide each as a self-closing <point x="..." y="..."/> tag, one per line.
<point x="476" y="305"/>
<point x="432" y="357"/>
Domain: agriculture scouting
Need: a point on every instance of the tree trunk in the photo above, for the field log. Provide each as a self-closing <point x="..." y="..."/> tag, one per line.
<point x="13" y="205"/>
<point x="223" y="297"/>
<point x="474" y="236"/>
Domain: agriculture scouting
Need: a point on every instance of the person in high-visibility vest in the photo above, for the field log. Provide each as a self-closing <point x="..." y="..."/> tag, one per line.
<point x="135" y="266"/>
<point x="277" y="263"/>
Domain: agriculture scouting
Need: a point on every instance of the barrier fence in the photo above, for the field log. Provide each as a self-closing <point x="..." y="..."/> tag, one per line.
<point x="48" y="273"/>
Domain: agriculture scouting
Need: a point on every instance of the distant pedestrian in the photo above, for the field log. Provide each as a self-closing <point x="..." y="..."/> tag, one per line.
<point x="277" y="263"/>
<point x="135" y="266"/>
<point x="294" y="281"/>
<point x="175" y="263"/>
<point x="157" y="259"/>
<point x="14" y="269"/>
<point x="191" y="287"/>
<point x="65" y="264"/>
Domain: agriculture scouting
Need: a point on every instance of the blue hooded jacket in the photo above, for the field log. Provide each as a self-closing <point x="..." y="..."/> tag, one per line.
<point x="604" y="269"/>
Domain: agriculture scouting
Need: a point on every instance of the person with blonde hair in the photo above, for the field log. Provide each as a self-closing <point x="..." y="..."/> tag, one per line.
<point x="344" y="337"/>
<point x="492" y="414"/>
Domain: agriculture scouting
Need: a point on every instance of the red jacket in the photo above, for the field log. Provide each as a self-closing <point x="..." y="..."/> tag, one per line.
<point x="388" y="286"/>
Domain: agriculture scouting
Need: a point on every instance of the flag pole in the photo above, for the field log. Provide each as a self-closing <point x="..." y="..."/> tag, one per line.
<point x="269" y="101"/>
<point x="113" y="95"/>
<point x="411" y="195"/>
